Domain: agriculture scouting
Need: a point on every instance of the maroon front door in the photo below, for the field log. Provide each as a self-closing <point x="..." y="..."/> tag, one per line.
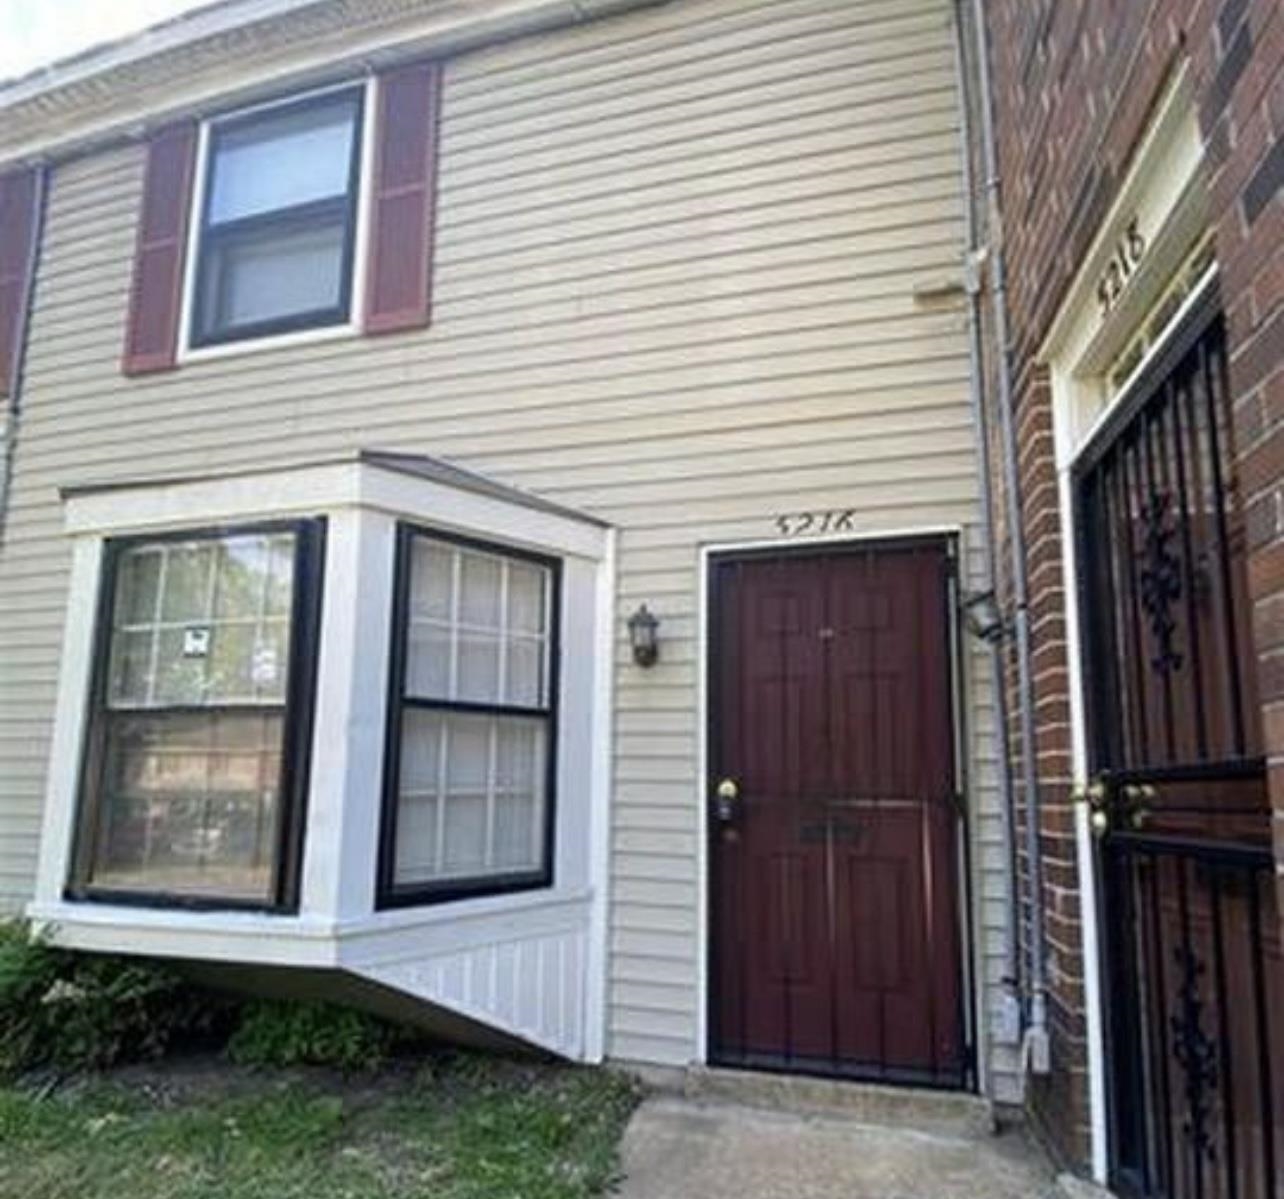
<point x="834" y="850"/>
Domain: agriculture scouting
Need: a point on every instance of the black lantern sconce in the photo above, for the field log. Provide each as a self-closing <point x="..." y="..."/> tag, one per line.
<point x="984" y="619"/>
<point x="643" y="627"/>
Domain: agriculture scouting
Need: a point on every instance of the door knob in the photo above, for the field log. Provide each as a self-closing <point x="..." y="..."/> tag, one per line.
<point x="726" y="797"/>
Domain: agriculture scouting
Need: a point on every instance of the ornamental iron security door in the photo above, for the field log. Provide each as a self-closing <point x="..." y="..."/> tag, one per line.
<point x="1191" y="942"/>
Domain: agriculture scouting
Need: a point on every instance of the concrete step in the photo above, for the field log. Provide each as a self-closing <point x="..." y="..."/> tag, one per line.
<point x="948" y="1113"/>
<point x="678" y="1148"/>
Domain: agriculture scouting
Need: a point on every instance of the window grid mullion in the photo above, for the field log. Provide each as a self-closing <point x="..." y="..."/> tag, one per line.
<point x="260" y="616"/>
<point x="153" y="650"/>
<point x="540" y="789"/>
<point x="492" y="748"/>
<point x="547" y="634"/>
<point x="442" y="782"/>
<point x="211" y="586"/>
<point x="501" y="689"/>
<point x="456" y="586"/>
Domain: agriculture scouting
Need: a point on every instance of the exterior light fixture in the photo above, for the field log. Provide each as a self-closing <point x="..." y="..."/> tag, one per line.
<point x="984" y="620"/>
<point x="642" y="637"/>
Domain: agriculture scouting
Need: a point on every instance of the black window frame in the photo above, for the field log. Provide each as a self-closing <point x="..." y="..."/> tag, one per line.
<point x="285" y="219"/>
<point x="387" y="894"/>
<point x="296" y="737"/>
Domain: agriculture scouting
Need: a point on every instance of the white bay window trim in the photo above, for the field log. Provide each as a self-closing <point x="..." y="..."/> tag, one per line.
<point x="441" y="953"/>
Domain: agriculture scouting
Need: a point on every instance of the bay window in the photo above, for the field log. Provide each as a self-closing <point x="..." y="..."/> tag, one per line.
<point x="471" y="747"/>
<point x="198" y="729"/>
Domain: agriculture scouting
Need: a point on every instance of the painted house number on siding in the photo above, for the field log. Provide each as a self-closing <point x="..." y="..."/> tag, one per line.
<point x="833" y="520"/>
<point x="1124" y="260"/>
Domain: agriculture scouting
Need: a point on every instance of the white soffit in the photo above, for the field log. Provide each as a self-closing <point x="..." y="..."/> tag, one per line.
<point x="239" y="50"/>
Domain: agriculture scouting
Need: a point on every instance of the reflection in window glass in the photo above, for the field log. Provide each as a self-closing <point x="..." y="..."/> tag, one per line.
<point x="187" y="798"/>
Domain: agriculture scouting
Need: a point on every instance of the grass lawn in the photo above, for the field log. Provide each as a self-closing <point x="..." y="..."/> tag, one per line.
<point x="454" y="1127"/>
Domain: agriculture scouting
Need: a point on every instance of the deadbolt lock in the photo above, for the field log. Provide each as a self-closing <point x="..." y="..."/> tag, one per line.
<point x="726" y="795"/>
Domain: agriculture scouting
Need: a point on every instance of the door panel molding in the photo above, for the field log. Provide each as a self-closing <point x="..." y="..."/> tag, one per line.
<point x="842" y="820"/>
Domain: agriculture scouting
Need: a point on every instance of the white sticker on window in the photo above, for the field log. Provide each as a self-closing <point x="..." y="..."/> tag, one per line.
<point x="196" y="641"/>
<point x="264" y="669"/>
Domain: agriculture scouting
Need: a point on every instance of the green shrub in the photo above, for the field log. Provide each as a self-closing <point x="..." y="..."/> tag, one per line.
<point x="294" y="1033"/>
<point x="77" y="1011"/>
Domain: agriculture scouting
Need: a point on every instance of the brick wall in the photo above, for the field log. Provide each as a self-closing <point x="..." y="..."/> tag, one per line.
<point x="1074" y="85"/>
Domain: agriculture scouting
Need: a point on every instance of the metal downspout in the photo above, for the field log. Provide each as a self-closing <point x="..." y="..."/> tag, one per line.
<point x="1035" y="1048"/>
<point x="17" y="368"/>
<point x="1011" y="980"/>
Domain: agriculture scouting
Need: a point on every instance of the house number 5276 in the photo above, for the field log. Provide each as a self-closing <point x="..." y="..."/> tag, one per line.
<point x="1119" y="269"/>
<point x="799" y="524"/>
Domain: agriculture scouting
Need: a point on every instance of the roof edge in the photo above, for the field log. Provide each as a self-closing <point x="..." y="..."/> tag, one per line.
<point x="118" y="90"/>
<point x="420" y="466"/>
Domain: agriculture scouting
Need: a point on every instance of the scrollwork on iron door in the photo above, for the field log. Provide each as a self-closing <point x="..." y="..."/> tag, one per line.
<point x="1195" y="1052"/>
<point x="1160" y="579"/>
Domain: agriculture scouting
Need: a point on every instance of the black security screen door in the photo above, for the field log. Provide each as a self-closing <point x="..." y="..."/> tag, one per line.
<point x="1195" y="982"/>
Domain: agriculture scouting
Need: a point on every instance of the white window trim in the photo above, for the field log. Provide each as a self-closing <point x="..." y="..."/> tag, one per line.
<point x="353" y="326"/>
<point x="1166" y="187"/>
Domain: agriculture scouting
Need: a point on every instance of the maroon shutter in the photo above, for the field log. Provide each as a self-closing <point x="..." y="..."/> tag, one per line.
<point x="18" y="192"/>
<point x="399" y="278"/>
<point x="156" y="298"/>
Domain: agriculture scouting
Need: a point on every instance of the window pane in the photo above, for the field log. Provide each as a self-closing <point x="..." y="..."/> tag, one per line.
<point x="131" y="668"/>
<point x="464" y="836"/>
<point x="526" y="597"/>
<point x="190" y="804"/>
<point x="189" y="580"/>
<point x="180" y="675"/>
<point x="139" y="585"/>
<point x="282" y="159"/>
<point x="479" y="626"/>
<point x="478" y="669"/>
<point x="428" y="661"/>
<point x="479" y="591"/>
<point x="268" y="274"/>
<point x="525" y="686"/>
<point x="472" y="795"/>
<point x="431" y="579"/>
<point x="202" y="622"/>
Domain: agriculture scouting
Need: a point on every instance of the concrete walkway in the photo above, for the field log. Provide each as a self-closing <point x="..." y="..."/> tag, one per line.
<point x="684" y="1149"/>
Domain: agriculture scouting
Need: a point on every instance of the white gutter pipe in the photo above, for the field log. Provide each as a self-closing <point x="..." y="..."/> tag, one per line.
<point x="1011" y="1017"/>
<point x="1035" y="1047"/>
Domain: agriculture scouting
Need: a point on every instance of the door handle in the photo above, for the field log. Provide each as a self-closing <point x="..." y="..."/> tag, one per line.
<point x="726" y="799"/>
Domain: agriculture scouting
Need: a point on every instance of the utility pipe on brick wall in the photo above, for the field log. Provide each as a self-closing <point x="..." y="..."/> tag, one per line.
<point x="1011" y="1012"/>
<point x="1035" y="1048"/>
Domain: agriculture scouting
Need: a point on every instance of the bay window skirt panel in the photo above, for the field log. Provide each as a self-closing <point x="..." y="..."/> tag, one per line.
<point x="531" y="988"/>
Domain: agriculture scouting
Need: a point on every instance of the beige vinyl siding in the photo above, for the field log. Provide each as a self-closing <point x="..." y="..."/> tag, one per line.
<point x="675" y="272"/>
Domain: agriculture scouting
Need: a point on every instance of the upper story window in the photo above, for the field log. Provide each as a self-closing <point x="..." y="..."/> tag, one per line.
<point x="276" y="243"/>
<point x="309" y="216"/>
<point x="472" y="745"/>
<point x="197" y="736"/>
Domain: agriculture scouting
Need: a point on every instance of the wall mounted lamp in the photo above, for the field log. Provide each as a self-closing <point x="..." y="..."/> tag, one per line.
<point x="984" y="620"/>
<point x="643" y="627"/>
